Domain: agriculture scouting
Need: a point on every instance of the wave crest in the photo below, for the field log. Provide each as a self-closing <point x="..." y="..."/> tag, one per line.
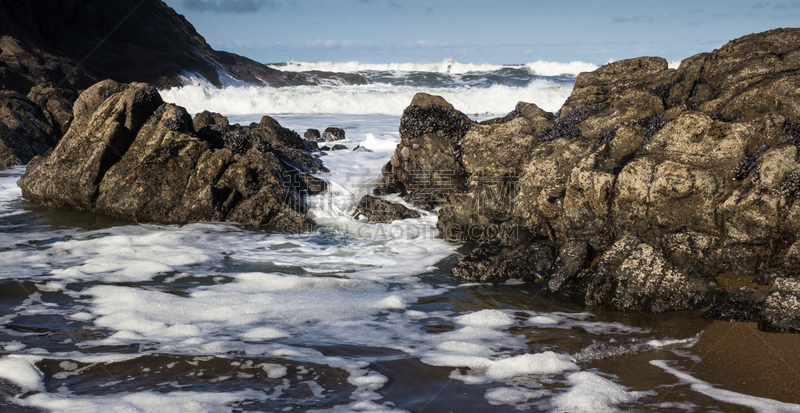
<point x="447" y="66"/>
<point x="373" y="99"/>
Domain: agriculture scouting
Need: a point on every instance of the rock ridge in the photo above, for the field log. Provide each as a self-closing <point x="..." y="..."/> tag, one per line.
<point x="130" y="155"/>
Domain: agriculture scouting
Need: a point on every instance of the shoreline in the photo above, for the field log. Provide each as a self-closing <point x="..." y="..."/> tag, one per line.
<point x="743" y="359"/>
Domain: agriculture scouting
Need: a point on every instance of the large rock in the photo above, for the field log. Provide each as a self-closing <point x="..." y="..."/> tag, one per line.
<point x="130" y="155"/>
<point x="649" y="182"/>
<point x="781" y="309"/>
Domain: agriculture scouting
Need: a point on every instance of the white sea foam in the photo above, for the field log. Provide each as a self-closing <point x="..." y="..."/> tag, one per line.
<point x="448" y="66"/>
<point x="592" y="393"/>
<point x="514" y="396"/>
<point x="177" y="402"/>
<point x="10" y="193"/>
<point x="372" y="99"/>
<point x="21" y="370"/>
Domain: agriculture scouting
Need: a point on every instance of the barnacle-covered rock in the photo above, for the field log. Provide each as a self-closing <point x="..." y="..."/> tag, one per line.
<point x="657" y="180"/>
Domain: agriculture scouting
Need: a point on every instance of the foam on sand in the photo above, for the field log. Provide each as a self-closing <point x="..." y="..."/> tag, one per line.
<point x="758" y="404"/>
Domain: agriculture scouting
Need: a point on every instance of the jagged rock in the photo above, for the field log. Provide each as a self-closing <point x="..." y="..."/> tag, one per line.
<point x="373" y="209"/>
<point x="130" y="155"/>
<point x="634" y="276"/>
<point x="572" y="258"/>
<point x="24" y="130"/>
<point x="360" y="148"/>
<point x="332" y="134"/>
<point x="426" y="166"/>
<point x="56" y="102"/>
<point x="206" y="118"/>
<point x="656" y="180"/>
<point x="781" y="310"/>
<point x="491" y="260"/>
<point x="338" y="147"/>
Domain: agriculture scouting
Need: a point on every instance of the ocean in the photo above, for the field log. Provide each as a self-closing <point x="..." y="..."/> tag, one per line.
<point x="103" y="315"/>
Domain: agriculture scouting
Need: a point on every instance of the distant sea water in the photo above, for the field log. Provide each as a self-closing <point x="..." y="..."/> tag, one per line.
<point x="103" y="315"/>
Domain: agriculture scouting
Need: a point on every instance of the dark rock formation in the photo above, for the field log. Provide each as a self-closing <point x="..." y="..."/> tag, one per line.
<point x="24" y="64"/>
<point x="338" y="147"/>
<point x="644" y="187"/>
<point x="373" y="209"/>
<point x="360" y="148"/>
<point x="125" y="40"/>
<point x="332" y="134"/>
<point x="781" y="309"/>
<point x="312" y="135"/>
<point x="491" y="261"/>
<point x="24" y="130"/>
<point x="206" y="118"/>
<point x="130" y="155"/>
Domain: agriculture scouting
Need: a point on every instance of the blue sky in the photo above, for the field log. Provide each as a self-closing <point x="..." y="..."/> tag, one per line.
<point x="503" y="31"/>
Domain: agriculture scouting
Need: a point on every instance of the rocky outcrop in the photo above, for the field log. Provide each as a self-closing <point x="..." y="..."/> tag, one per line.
<point x="331" y="134"/>
<point x="81" y="41"/>
<point x="25" y="130"/>
<point x="130" y="155"/>
<point x="24" y="64"/>
<point x="647" y="185"/>
<point x="57" y="105"/>
<point x="376" y="210"/>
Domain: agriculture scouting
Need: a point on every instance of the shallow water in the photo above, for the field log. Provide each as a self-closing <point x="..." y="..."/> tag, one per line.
<point x="103" y="315"/>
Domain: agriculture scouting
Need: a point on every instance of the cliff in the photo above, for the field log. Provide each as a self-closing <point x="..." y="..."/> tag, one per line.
<point x="74" y="43"/>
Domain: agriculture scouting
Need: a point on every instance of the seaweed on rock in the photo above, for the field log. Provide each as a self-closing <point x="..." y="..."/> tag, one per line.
<point x="418" y="121"/>
<point x="749" y="163"/>
<point x="791" y="186"/>
<point x="605" y="136"/>
<point x="517" y="112"/>
<point x="651" y="126"/>
<point x="240" y="140"/>
<point x="662" y="90"/>
<point x="792" y="131"/>
<point x="717" y="116"/>
<point x="567" y="127"/>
